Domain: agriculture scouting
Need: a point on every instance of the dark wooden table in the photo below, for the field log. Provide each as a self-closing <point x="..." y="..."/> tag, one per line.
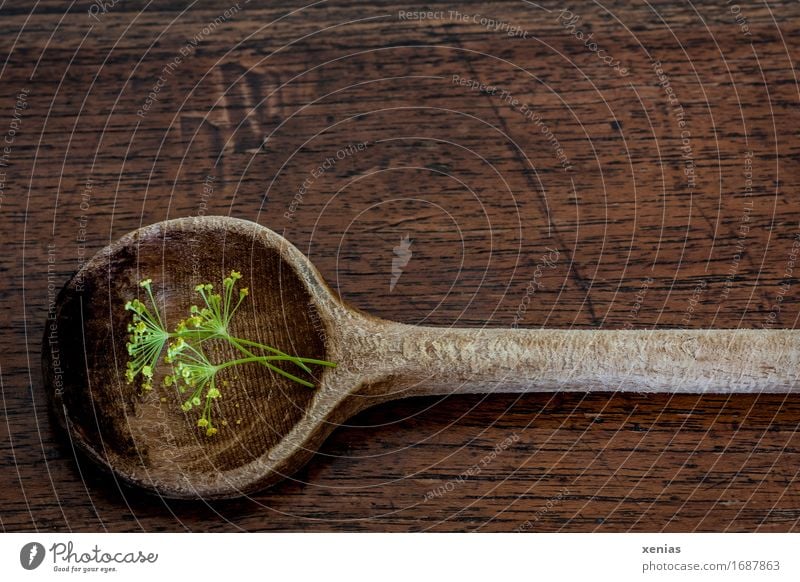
<point x="656" y="164"/>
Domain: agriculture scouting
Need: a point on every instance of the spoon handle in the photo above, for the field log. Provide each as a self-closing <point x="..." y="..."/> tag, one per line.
<point x="430" y="360"/>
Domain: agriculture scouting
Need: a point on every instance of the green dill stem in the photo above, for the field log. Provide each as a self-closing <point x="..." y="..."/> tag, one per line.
<point x="207" y="408"/>
<point x="295" y="359"/>
<point x="238" y="343"/>
<point x="254" y="358"/>
<point x="274" y="351"/>
<point x="155" y="307"/>
<point x="198" y="390"/>
<point x="265" y="361"/>
<point x="202" y="335"/>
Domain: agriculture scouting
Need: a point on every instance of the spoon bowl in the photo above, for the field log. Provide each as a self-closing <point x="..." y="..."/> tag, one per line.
<point x="271" y="425"/>
<point x="146" y="438"/>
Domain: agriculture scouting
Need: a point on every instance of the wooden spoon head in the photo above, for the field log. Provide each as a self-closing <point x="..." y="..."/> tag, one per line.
<point x="272" y="425"/>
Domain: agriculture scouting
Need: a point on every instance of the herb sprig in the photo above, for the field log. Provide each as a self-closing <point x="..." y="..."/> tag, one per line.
<point x="193" y="373"/>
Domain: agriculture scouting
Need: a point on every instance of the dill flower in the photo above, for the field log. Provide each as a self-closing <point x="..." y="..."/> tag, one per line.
<point x="192" y="372"/>
<point x="146" y="340"/>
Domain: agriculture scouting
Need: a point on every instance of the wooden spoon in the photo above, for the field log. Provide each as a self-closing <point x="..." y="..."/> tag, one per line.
<point x="275" y="425"/>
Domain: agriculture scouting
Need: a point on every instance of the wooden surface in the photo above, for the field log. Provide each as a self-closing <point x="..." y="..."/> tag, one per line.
<point x="614" y="234"/>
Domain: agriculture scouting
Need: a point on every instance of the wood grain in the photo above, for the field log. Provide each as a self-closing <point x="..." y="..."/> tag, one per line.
<point x="243" y="123"/>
